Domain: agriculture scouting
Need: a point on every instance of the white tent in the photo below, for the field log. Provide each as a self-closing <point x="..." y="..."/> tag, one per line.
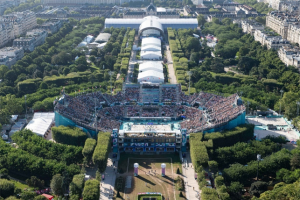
<point x="150" y="65"/>
<point x="151" y="41"/>
<point x="151" y="76"/>
<point x="150" y="48"/>
<point x="151" y="55"/>
<point x="40" y="123"/>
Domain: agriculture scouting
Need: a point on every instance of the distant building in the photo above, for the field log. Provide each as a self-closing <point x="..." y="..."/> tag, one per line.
<point x="271" y="41"/>
<point x="52" y="26"/>
<point x="151" y="10"/>
<point x="280" y="21"/>
<point x="15" y="24"/>
<point x="250" y="26"/>
<point x="33" y="39"/>
<point x="13" y="54"/>
<point x="290" y="56"/>
<point x="80" y="2"/>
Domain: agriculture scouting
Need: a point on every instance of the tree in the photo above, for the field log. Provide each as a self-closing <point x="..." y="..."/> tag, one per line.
<point x="258" y="187"/>
<point x="235" y="188"/>
<point x="35" y="182"/>
<point x="40" y="197"/>
<point x="201" y="20"/>
<point x="13" y="106"/>
<point x="3" y="70"/>
<point x="28" y="195"/>
<point x="295" y="161"/>
<point x="193" y="44"/>
<point x="6" y="188"/>
<point x="56" y="185"/>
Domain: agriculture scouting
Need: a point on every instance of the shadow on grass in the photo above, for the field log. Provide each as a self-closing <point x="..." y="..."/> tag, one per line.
<point x="145" y="180"/>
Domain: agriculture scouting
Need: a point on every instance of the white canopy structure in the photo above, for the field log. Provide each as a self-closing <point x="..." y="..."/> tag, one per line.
<point x="151" y="76"/>
<point x="40" y="123"/>
<point x="150" y="65"/>
<point x="151" y="41"/>
<point x="150" y="48"/>
<point x="151" y="55"/>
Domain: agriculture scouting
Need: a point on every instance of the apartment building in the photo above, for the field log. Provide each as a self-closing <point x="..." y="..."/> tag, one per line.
<point x="15" y="24"/>
<point x="294" y="33"/>
<point x="10" y="55"/>
<point x="52" y="26"/>
<point x="81" y="2"/>
<point x="249" y="26"/>
<point x="290" y="56"/>
<point x="33" y="39"/>
<point x="271" y="41"/>
<point x="280" y="21"/>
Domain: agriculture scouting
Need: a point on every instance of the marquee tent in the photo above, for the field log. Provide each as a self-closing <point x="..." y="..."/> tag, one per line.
<point x="151" y="55"/>
<point x="40" y="123"/>
<point x="150" y="65"/>
<point x="151" y="76"/>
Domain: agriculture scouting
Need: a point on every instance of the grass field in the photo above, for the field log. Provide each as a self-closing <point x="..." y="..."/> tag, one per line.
<point x="149" y="178"/>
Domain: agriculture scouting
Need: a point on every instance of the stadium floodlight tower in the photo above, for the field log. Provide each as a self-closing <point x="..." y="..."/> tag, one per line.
<point x="95" y="99"/>
<point x="110" y="73"/>
<point x="189" y="73"/>
<point x="281" y="91"/>
<point x="258" y="156"/>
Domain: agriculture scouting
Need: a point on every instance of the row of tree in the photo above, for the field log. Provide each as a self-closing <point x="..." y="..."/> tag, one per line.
<point x="69" y="135"/>
<point x="38" y="146"/>
<point x="102" y="149"/>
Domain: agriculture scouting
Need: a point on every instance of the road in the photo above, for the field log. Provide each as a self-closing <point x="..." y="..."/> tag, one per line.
<point x="171" y="70"/>
<point x="191" y="184"/>
<point x="132" y="62"/>
<point x="107" y="185"/>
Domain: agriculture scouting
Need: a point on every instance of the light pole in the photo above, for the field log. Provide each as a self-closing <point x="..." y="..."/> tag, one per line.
<point x="298" y="103"/>
<point x="189" y="73"/>
<point x="110" y="73"/>
<point x="241" y="93"/>
<point x="25" y="108"/>
<point x="258" y="159"/>
<point x="281" y="91"/>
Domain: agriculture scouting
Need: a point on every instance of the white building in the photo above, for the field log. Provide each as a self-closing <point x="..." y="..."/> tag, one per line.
<point x="151" y="76"/>
<point x="290" y="56"/>
<point x="33" y="39"/>
<point x="249" y="26"/>
<point x="80" y="2"/>
<point x="16" y="24"/>
<point x="271" y="41"/>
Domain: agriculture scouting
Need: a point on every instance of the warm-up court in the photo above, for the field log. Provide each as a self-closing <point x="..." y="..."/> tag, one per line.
<point x="265" y="126"/>
<point x="152" y="174"/>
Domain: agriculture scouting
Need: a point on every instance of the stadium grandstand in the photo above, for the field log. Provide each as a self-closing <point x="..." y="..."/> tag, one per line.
<point x="150" y="108"/>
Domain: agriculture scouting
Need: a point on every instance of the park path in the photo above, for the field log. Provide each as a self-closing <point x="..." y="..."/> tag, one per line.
<point x="170" y="66"/>
<point x="191" y="184"/>
<point x="107" y="185"/>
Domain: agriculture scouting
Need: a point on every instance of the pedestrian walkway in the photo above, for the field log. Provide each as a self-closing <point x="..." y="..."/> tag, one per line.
<point x="191" y="184"/>
<point x="170" y="66"/>
<point x="107" y="185"/>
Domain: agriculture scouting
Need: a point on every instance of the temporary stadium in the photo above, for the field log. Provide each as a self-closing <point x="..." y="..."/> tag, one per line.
<point x="150" y="116"/>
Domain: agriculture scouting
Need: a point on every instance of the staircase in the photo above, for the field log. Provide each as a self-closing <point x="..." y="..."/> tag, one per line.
<point x="159" y="111"/>
<point x="178" y="88"/>
<point x="126" y="112"/>
<point x="160" y="93"/>
<point x="105" y="98"/>
<point x="141" y="93"/>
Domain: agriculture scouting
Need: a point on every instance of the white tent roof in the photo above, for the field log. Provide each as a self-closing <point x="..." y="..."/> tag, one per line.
<point x="40" y="123"/>
<point x="151" y="76"/>
<point x="146" y="66"/>
<point x="150" y="48"/>
<point x="151" y="55"/>
<point x="151" y="41"/>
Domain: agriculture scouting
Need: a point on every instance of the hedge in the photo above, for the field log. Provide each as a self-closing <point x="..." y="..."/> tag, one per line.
<point x="240" y="133"/>
<point x="76" y="186"/>
<point x="20" y="162"/>
<point x="198" y="151"/>
<point x="38" y="146"/>
<point x="6" y="188"/>
<point x="221" y="188"/>
<point x="88" y="149"/>
<point x="100" y="155"/>
<point x="69" y="135"/>
<point x="268" y="166"/>
<point x="91" y="190"/>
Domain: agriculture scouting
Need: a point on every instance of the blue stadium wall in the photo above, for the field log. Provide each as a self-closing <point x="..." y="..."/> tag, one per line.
<point x="241" y="119"/>
<point x="61" y="120"/>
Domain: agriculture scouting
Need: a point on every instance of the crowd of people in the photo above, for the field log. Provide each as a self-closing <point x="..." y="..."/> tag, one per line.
<point x="169" y="94"/>
<point x="213" y="109"/>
